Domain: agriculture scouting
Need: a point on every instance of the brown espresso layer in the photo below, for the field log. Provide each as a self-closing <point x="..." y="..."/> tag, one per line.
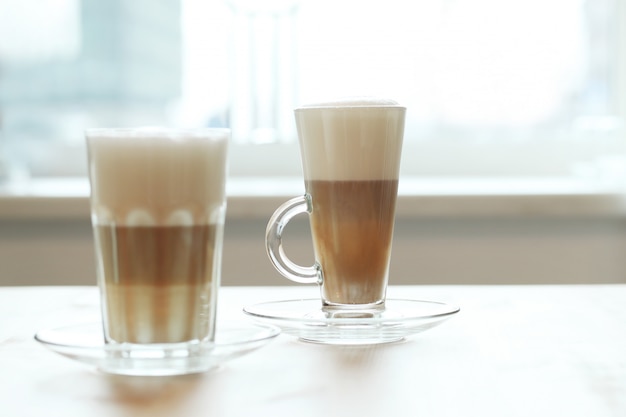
<point x="352" y="226"/>
<point x="157" y="281"/>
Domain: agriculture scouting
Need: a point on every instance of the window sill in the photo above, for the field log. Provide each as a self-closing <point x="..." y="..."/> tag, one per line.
<point x="257" y="198"/>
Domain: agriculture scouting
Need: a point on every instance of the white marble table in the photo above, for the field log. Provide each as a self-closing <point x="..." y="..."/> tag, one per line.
<point x="511" y="351"/>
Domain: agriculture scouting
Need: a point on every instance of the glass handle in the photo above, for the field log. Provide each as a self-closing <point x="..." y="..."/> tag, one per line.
<point x="274" y="243"/>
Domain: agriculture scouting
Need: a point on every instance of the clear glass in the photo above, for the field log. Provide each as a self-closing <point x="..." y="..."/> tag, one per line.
<point x="84" y="343"/>
<point x="158" y="205"/>
<point x="351" y="159"/>
<point x="399" y="320"/>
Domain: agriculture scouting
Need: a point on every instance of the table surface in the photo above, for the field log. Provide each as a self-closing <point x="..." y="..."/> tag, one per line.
<point x="511" y="351"/>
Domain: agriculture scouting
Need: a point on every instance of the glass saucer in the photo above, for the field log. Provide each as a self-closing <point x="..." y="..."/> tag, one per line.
<point x="307" y="320"/>
<point x="85" y="343"/>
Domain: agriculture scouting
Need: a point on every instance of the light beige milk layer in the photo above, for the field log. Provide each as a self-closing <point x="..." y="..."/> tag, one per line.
<point x="351" y="139"/>
<point x="157" y="176"/>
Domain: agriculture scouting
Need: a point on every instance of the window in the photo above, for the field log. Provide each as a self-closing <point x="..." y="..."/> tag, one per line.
<point x="533" y="87"/>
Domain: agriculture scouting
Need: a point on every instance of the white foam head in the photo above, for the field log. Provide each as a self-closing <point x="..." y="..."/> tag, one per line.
<point x="157" y="176"/>
<point x="356" y="138"/>
<point x="359" y="101"/>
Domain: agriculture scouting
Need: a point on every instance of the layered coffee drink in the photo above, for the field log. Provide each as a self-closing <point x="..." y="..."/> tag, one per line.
<point x="158" y="208"/>
<point x="352" y="227"/>
<point x="351" y="158"/>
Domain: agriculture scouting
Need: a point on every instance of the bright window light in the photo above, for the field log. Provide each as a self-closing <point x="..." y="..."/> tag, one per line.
<point x="492" y="87"/>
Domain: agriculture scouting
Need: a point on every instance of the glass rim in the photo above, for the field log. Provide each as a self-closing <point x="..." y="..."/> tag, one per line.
<point x="353" y="102"/>
<point x="151" y="132"/>
<point x="350" y="107"/>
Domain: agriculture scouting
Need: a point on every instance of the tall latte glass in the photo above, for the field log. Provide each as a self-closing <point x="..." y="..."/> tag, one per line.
<point x="350" y="153"/>
<point x="158" y="205"/>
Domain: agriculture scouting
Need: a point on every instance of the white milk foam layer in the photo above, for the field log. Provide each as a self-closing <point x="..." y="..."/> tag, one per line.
<point x="364" y="101"/>
<point x="351" y="139"/>
<point x="146" y="177"/>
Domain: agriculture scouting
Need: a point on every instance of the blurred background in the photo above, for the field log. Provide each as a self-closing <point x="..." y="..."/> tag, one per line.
<point x="493" y="87"/>
<point x="527" y="95"/>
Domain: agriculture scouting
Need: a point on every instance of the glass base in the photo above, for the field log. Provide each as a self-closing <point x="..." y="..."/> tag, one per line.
<point x="372" y="308"/>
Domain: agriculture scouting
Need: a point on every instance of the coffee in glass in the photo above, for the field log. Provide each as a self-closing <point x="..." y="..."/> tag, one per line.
<point x="158" y="206"/>
<point x="350" y="152"/>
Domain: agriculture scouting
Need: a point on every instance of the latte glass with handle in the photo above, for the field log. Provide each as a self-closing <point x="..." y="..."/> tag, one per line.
<point x="350" y="151"/>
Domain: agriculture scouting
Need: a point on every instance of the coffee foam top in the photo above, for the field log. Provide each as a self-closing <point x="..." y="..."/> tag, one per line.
<point x="157" y="176"/>
<point x="351" y="139"/>
<point x="364" y="101"/>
